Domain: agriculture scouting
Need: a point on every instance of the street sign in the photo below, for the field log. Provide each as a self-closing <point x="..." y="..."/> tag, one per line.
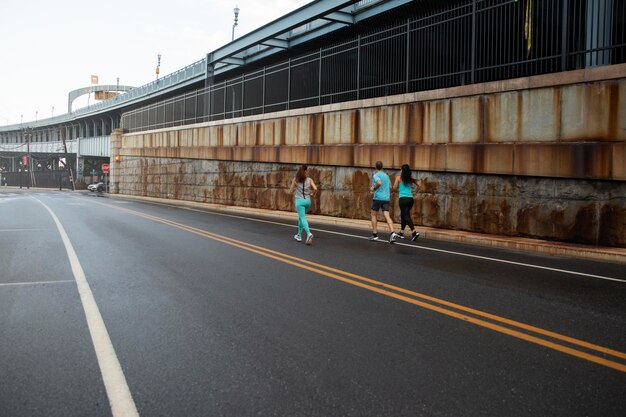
<point x="105" y="168"/>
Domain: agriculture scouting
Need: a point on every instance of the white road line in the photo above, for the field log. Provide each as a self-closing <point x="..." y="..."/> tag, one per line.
<point x="415" y="246"/>
<point x="22" y="230"/>
<point x="10" y="284"/>
<point x="120" y="398"/>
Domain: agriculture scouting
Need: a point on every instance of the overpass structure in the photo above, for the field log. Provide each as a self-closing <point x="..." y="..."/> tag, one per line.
<point x="494" y="101"/>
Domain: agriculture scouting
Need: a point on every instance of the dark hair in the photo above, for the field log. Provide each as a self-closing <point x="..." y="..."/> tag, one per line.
<point x="301" y="174"/>
<point x="405" y="174"/>
<point x="379" y="165"/>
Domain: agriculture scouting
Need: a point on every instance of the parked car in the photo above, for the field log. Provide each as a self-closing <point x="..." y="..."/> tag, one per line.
<point x="97" y="186"/>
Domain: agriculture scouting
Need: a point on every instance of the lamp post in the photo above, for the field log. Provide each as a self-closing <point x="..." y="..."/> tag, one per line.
<point x="236" y="10"/>
<point x="158" y="68"/>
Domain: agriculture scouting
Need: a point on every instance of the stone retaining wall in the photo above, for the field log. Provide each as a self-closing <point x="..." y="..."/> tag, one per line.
<point x="541" y="157"/>
<point x="592" y="212"/>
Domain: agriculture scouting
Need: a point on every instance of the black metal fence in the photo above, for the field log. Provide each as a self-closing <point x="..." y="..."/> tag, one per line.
<point x="471" y="41"/>
<point x="42" y="179"/>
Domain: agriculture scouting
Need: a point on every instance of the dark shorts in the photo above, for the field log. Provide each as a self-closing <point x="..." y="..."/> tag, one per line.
<point x="380" y="204"/>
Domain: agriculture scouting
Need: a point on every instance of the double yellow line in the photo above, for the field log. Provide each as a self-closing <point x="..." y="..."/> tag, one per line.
<point x="546" y="338"/>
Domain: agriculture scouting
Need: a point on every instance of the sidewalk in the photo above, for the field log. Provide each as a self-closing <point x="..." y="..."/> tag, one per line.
<point x="596" y="253"/>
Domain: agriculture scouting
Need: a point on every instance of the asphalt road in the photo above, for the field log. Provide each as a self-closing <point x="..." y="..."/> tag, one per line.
<point x="156" y="310"/>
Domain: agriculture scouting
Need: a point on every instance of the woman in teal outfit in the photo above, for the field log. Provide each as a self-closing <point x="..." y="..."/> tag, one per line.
<point x="404" y="184"/>
<point x="304" y="188"/>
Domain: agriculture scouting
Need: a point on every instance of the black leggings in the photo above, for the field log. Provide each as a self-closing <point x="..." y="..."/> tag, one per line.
<point x="406" y="204"/>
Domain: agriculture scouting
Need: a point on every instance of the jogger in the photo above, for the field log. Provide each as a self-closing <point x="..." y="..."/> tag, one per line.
<point x="380" y="188"/>
<point x="302" y="206"/>
<point x="304" y="188"/>
<point x="404" y="184"/>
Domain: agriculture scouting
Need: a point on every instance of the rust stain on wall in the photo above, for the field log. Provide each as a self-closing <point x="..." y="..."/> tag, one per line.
<point x="612" y="225"/>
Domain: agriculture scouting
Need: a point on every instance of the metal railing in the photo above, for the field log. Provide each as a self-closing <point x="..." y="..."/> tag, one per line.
<point x="469" y="42"/>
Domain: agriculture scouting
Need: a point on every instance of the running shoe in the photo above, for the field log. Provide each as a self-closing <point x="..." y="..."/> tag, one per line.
<point x="373" y="238"/>
<point x="309" y="239"/>
<point x="415" y="235"/>
<point x="400" y="235"/>
<point x="393" y="237"/>
<point x="297" y="237"/>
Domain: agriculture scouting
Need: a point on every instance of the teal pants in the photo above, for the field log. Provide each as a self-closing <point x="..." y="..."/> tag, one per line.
<point x="302" y="205"/>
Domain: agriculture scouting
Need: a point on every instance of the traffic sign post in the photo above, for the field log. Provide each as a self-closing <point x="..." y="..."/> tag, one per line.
<point x="105" y="171"/>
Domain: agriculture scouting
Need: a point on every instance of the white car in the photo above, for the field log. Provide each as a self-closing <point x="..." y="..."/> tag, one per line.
<point x="97" y="186"/>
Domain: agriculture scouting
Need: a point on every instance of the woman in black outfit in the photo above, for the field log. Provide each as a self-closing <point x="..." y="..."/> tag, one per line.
<point x="404" y="184"/>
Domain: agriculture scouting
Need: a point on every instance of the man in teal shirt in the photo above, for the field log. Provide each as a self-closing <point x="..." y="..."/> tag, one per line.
<point x="381" y="187"/>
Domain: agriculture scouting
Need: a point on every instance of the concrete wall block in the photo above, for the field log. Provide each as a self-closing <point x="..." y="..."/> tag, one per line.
<point x="186" y="137"/>
<point x="540" y="115"/>
<point x="490" y="186"/>
<point x="575" y="160"/>
<point x="585" y="112"/>
<point x="436" y="122"/>
<point x="428" y="210"/>
<point x="415" y="123"/>
<point x="502" y="117"/>
<point x="460" y="184"/>
<point x="247" y="134"/>
<point x="243" y="153"/>
<point x="576" y="221"/>
<point x="498" y="159"/>
<point x="463" y="158"/>
<point x="466" y="115"/>
<point x="535" y="188"/>
<point x="173" y="138"/>
<point x="393" y="124"/>
<point x="352" y="180"/>
<point x="295" y="131"/>
<point x="340" y="155"/>
<point x="384" y="125"/>
<point x="367" y="155"/>
<point x="368" y="125"/>
<point x="231" y="132"/>
<point x="215" y="135"/>
<point x="403" y="154"/>
<point x="495" y="215"/>
<point x="612" y="224"/>
<point x="429" y="157"/>
<point x="346" y="204"/>
<point x="339" y="127"/>
<point x="292" y="154"/>
<point x="541" y="160"/>
<point x="589" y="190"/>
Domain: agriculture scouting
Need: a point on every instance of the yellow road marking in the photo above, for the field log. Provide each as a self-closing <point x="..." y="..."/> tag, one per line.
<point x="384" y="289"/>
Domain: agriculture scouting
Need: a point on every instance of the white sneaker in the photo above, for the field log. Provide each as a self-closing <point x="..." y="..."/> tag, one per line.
<point x="297" y="237"/>
<point x="309" y="239"/>
<point x="393" y="237"/>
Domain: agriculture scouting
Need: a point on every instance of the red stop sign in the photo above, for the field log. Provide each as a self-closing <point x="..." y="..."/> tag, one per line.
<point x="105" y="168"/>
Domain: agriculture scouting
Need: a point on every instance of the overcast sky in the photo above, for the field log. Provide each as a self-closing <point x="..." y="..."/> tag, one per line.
<point x="49" y="48"/>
